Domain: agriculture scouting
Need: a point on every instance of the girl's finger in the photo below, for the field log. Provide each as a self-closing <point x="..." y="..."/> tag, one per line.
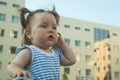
<point x="14" y="76"/>
<point x="20" y="74"/>
<point x="59" y="34"/>
<point x="25" y="73"/>
<point x="29" y="76"/>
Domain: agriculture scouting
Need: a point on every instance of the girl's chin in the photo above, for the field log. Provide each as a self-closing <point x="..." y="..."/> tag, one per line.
<point x="50" y="44"/>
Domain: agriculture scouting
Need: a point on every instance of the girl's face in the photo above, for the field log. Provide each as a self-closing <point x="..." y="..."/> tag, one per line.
<point x="43" y="30"/>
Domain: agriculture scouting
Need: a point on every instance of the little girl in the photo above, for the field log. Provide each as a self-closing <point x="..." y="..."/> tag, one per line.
<point x="43" y="49"/>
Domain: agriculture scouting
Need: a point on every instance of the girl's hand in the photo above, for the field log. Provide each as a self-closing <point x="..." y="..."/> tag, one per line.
<point x="60" y="41"/>
<point x="23" y="73"/>
<point x="67" y="57"/>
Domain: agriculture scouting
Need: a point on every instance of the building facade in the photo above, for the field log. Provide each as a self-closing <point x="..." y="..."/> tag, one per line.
<point x="10" y="33"/>
<point x="96" y="46"/>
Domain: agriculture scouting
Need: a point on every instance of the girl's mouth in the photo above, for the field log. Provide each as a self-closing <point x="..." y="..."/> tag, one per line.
<point x="50" y="37"/>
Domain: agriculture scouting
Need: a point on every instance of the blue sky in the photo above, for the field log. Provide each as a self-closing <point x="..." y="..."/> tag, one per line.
<point x="99" y="11"/>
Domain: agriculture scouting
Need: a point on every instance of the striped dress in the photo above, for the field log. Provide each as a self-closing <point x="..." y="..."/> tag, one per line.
<point x="44" y="66"/>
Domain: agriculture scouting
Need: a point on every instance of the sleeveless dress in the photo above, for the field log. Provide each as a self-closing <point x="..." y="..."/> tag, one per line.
<point x="45" y="66"/>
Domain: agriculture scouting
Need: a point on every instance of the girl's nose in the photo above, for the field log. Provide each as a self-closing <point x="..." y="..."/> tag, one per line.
<point x="51" y="30"/>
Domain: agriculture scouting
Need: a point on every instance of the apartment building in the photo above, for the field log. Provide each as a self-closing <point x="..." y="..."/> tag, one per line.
<point x="96" y="46"/>
<point x="10" y="33"/>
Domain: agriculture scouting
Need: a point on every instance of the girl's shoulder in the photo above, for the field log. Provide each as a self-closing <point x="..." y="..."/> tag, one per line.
<point x="20" y="48"/>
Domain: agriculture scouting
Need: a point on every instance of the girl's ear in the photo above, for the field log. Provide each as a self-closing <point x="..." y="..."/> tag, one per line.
<point x="28" y="34"/>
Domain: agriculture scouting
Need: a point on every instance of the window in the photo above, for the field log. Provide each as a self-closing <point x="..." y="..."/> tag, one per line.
<point x="67" y="70"/>
<point x="88" y="58"/>
<point x="13" y="34"/>
<point x="1" y="48"/>
<point x="86" y="29"/>
<point x="67" y="26"/>
<point x="67" y="41"/>
<point x="12" y="50"/>
<point x="117" y="74"/>
<point x="104" y="58"/>
<point x="98" y="78"/>
<point x="104" y="68"/>
<point x="101" y="34"/>
<point x="77" y="28"/>
<point x="88" y="72"/>
<point x="109" y="49"/>
<point x="78" y="56"/>
<point x="16" y="5"/>
<point x="78" y="71"/>
<point x="87" y="44"/>
<point x="1" y="32"/>
<point x="0" y="64"/>
<point x="95" y="50"/>
<point x="114" y="34"/>
<point x="9" y="63"/>
<point x="3" y="3"/>
<point x="15" y="19"/>
<point x="2" y="16"/>
<point x="98" y="69"/>
<point x="109" y="57"/>
<point x="115" y="48"/>
<point x="116" y="61"/>
<point x="77" y="42"/>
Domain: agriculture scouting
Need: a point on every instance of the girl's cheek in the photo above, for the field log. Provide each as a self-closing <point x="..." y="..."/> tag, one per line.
<point x="57" y="36"/>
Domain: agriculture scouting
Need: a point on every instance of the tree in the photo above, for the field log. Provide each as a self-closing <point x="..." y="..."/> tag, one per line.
<point x="64" y="76"/>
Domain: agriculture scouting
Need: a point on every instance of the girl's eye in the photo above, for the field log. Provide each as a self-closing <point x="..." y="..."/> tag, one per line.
<point x="43" y="26"/>
<point x="54" y="28"/>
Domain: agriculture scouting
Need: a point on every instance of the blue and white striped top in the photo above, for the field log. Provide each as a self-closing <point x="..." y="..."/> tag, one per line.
<point x="44" y="66"/>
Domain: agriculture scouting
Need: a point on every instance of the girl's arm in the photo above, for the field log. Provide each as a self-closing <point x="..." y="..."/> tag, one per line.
<point x="16" y="67"/>
<point x="68" y="57"/>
